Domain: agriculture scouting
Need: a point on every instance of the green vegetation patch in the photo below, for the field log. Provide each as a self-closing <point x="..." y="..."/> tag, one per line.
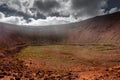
<point x="64" y="53"/>
<point x="63" y="47"/>
<point x="103" y="47"/>
<point x="51" y="53"/>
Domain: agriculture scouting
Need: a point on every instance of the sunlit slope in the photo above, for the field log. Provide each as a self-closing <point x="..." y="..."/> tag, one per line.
<point x="101" y="29"/>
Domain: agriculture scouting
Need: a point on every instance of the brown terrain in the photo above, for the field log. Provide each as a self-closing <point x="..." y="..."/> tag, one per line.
<point x="87" y="50"/>
<point x="101" y="29"/>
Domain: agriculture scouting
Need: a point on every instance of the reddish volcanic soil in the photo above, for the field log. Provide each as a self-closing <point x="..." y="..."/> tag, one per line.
<point x="90" y="50"/>
<point x="84" y="67"/>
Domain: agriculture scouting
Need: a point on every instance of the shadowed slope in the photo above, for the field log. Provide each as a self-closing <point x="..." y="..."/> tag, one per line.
<point x="12" y="35"/>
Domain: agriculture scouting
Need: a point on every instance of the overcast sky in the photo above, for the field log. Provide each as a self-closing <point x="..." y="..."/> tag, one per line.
<point x="50" y="12"/>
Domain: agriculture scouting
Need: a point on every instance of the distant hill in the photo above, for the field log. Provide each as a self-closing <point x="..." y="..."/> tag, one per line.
<point x="100" y="29"/>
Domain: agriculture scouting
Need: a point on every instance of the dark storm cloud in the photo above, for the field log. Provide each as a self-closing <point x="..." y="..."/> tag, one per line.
<point x="76" y="8"/>
<point x="56" y="11"/>
<point x="113" y="4"/>
<point x="46" y="5"/>
<point x="50" y="7"/>
<point x="58" y="14"/>
<point x="76" y="4"/>
<point x="88" y="7"/>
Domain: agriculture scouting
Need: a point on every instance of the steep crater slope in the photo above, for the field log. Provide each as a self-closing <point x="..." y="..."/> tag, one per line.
<point x="101" y="29"/>
<point x="12" y="35"/>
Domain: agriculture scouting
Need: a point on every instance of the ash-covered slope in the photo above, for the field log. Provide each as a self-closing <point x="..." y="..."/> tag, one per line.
<point x="101" y="29"/>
